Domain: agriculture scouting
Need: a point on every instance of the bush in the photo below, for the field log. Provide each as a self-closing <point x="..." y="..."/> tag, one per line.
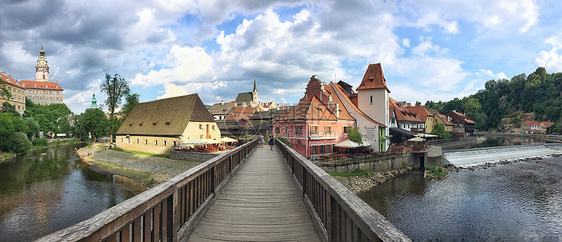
<point x="40" y="142"/>
<point x="21" y="142"/>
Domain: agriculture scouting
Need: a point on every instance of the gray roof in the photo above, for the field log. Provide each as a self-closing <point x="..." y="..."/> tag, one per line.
<point x="224" y="109"/>
<point x="165" y="117"/>
<point x="244" y="97"/>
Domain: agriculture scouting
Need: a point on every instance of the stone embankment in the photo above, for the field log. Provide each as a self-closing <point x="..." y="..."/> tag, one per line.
<point x="358" y="184"/>
<point x="143" y="169"/>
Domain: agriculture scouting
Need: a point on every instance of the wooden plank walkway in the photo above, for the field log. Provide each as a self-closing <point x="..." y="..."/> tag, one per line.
<point x="260" y="203"/>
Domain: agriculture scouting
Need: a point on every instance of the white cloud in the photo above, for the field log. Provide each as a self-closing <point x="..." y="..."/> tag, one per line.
<point x="171" y="90"/>
<point x="484" y="72"/>
<point x="427" y="47"/>
<point x="406" y="42"/>
<point x="188" y="64"/>
<point x="552" y="59"/>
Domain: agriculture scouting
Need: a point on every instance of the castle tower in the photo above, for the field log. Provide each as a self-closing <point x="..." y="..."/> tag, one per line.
<point x="42" y="69"/>
<point x="255" y="101"/>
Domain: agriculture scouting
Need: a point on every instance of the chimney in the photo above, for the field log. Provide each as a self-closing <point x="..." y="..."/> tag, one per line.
<point x="222" y="102"/>
<point x="337" y="110"/>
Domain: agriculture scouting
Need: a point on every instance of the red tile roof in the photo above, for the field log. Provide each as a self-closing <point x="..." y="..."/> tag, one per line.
<point x="41" y="85"/>
<point x="421" y="112"/>
<point x="463" y="117"/>
<point x="310" y="109"/>
<point x="402" y="114"/>
<point x="374" y="78"/>
<point x="445" y="119"/>
<point x="10" y="80"/>
<point x="340" y="89"/>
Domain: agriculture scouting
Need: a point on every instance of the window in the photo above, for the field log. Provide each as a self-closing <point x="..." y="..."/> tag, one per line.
<point x="320" y="149"/>
<point x="314" y="150"/>
<point x="156" y="142"/>
<point x="334" y="148"/>
<point x="138" y="141"/>
<point x="128" y="140"/>
<point x="145" y="141"/>
<point x="277" y="130"/>
<point x="174" y="143"/>
<point x="165" y="142"/>
<point x="298" y="130"/>
<point x="153" y="124"/>
<point x="167" y="123"/>
<point x="121" y="140"/>
<point x="327" y="131"/>
<point x="313" y="129"/>
<point x="213" y="127"/>
<point x="200" y="126"/>
<point x="286" y="130"/>
<point x="371" y="99"/>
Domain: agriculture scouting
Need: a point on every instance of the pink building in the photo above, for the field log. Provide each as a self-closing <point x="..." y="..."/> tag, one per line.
<point x="316" y="123"/>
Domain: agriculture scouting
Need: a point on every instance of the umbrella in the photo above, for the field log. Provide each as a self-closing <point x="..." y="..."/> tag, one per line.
<point x="365" y="144"/>
<point x="195" y="141"/>
<point x="416" y="139"/>
<point x="211" y="141"/>
<point x="228" y="139"/>
<point x="347" y="144"/>
<point x="427" y="135"/>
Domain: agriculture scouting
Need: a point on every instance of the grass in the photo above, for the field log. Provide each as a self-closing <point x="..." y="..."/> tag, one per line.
<point x="3" y="156"/>
<point x="348" y="174"/>
<point x="437" y="171"/>
<point x="143" y="153"/>
<point x="143" y="177"/>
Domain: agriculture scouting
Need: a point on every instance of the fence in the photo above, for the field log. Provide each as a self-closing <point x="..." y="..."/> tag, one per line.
<point x="166" y="212"/>
<point x="338" y="214"/>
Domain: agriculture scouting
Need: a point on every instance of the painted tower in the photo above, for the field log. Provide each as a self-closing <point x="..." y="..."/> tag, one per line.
<point x="42" y="69"/>
<point x="94" y="101"/>
<point x="255" y="94"/>
<point x="372" y="98"/>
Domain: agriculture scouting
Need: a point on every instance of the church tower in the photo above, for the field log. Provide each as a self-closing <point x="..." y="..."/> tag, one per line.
<point x="255" y="102"/>
<point x="94" y="102"/>
<point x="42" y="69"/>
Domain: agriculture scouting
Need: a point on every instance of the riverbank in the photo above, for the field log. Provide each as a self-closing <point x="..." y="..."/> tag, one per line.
<point x="5" y="157"/>
<point x="145" y="170"/>
<point x="365" y="182"/>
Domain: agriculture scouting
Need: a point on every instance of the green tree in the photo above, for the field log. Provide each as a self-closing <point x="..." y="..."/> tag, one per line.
<point x="7" y="131"/>
<point x="4" y="93"/>
<point x="130" y="103"/>
<point x="20" y="142"/>
<point x="33" y="126"/>
<point x="354" y="135"/>
<point x="8" y="108"/>
<point x="44" y="124"/>
<point x="439" y="130"/>
<point x="94" y="122"/>
<point x="115" y="88"/>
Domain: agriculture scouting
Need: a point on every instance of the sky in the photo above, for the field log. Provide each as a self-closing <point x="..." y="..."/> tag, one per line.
<point x="428" y="49"/>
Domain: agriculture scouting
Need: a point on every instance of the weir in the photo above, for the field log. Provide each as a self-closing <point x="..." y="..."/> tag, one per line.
<point x="473" y="157"/>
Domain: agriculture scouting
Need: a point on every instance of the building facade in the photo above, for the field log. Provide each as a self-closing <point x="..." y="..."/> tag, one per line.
<point x="159" y="126"/>
<point x="16" y="90"/>
<point x="316" y="124"/>
<point x="42" y="91"/>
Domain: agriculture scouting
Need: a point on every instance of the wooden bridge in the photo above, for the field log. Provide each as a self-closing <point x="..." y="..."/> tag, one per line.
<point x="248" y="194"/>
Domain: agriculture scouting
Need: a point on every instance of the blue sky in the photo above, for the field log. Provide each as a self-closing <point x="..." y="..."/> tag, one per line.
<point x="429" y="50"/>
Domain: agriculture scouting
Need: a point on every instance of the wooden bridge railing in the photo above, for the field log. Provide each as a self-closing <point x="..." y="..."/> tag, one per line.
<point x="338" y="214"/>
<point x="166" y="212"/>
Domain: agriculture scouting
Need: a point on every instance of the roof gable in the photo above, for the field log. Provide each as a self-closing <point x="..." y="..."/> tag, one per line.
<point x="342" y="91"/>
<point x="168" y="116"/>
<point x="373" y="78"/>
<point x="311" y="109"/>
<point x="421" y="112"/>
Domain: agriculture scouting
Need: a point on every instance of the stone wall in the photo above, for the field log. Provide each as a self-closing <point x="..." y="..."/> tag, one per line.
<point x="191" y="156"/>
<point x="434" y="156"/>
<point x="381" y="164"/>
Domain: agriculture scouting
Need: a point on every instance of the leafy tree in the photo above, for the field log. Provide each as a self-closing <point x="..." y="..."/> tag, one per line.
<point x="130" y="103"/>
<point x="33" y="127"/>
<point x="8" y="108"/>
<point x="115" y="88"/>
<point x="40" y="141"/>
<point x="354" y="135"/>
<point x="7" y="131"/>
<point x="4" y="93"/>
<point x="44" y="124"/>
<point x="20" y="142"/>
<point x="439" y="130"/>
<point x="94" y="122"/>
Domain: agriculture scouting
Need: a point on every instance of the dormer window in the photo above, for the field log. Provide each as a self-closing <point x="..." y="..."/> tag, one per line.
<point x="167" y="123"/>
<point x="153" y="124"/>
<point x="130" y="125"/>
<point x="140" y="124"/>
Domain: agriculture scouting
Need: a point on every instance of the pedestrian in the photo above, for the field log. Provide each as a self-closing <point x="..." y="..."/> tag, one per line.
<point x="260" y="140"/>
<point x="271" y="142"/>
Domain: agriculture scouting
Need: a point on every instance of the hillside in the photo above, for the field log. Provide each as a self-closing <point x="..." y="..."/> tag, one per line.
<point x="538" y="93"/>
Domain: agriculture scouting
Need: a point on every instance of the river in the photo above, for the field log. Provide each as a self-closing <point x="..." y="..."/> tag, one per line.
<point x="50" y="189"/>
<point x="514" y="202"/>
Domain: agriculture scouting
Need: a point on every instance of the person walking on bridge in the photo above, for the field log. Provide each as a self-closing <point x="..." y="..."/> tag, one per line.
<point x="271" y="141"/>
<point x="260" y="140"/>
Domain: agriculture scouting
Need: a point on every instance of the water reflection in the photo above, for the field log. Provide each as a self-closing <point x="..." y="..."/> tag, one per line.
<point x="50" y="189"/>
<point x="517" y="202"/>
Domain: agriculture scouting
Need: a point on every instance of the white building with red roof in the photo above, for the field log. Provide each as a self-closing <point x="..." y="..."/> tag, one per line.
<point x="41" y="91"/>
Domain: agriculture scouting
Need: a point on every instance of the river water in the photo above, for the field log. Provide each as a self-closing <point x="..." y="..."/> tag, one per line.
<point x="514" y="202"/>
<point x="50" y="189"/>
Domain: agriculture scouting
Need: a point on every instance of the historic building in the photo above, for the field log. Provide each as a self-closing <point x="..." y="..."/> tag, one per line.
<point x="373" y="98"/>
<point x="160" y="125"/>
<point x="41" y="91"/>
<point x="317" y="123"/>
<point x="94" y="101"/>
<point x="248" y="98"/>
<point x="463" y="125"/>
<point x="16" y="90"/>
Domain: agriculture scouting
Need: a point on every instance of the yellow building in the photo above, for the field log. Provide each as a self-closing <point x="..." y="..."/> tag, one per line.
<point x="443" y="119"/>
<point x="159" y="126"/>
<point x="16" y="90"/>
